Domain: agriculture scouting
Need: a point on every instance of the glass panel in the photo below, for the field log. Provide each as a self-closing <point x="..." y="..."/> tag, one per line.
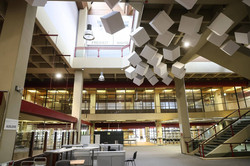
<point x="198" y="100"/>
<point x="246" y="92"/>
<point x="218" y="96"/>
<point x="50" y="139"/>
<point x="230" y="98"/>
<point x="208" y="99"/>
<point x="240" y="96"/>
<point x="129" y="101"/>
<point x="22" y="145"/>
<point x="120" y="102"/>
<point x="190" y="100"/>
<point x="38" y="142"/>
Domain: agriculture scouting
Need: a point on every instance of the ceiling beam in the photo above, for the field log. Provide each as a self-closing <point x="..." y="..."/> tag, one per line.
<point x="238" y="63"/>
<point x="49" y="71"/>
<point x="230" y="11"/>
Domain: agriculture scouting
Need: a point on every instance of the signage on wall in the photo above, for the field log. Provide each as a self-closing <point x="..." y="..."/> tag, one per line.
<point x="10" y="124"/>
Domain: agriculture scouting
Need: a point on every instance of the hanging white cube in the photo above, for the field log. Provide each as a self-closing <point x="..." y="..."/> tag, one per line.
<point x="111" y="3"/>
<point x="216" y="39"/>
<point x="188" y="4"/>
<point x="156" y="60"/>
<point x="177" y="68"/>
<point x="112" y="22"/>
<point x="221" y="24"/>
<point x="190" y="23"/>
<point x="139" y="36"/>
<point x="134" y="58"/>
<point x="36" y="2"/>
<point x="130" y="72"/>
<point x="181" y="75"/>
<point x="167" y="80"/>
<point x="164" y="75"/>
<point x="142" y="68"/>
<point x="247" y="2"/>
<point x="138" y="80"/>
<point x="153" y="80"/>
<point x="161" y="69"/>
<point x="161" y="22"/>
<point x="191" y="39"/>
<point x="165" y="38"/>
<point x="172" y="53"/>
<point x="230" y="47"/>
<point x="148" y="52"/>
<point x="149" y="73"/>
<point x="242" y="35"/>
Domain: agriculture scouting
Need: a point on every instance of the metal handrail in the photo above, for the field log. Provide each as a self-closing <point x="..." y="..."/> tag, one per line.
<point x="213" y="126"/>
<point x="201" y="146"/>
<point x="224" y="128"/>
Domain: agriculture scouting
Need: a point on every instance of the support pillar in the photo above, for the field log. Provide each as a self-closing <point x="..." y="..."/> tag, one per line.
<point x="92" y="103"/>
<point x="182" y="113"/>
<point x="15" y="43"/>
<point x="92" y="130"/>
<point x="157" y="101"/>
<point x="77" y="101"/>
<point x="159" y="132"/>
<point x="147" y="134"/>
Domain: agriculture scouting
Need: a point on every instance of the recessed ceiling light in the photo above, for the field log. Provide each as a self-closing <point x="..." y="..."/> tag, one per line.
<point x="186" y="44"/>
<point x="58" y="75"/>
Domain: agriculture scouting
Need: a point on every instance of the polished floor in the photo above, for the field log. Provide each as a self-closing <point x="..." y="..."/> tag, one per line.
<point x="170" y="155"/>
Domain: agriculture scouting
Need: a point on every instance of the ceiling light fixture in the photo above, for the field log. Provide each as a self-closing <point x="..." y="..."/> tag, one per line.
<point x="88" y="35"/>
<point x="101" y="77"/>
<point x="58" y="75"/>
<point x="186" y="44"/>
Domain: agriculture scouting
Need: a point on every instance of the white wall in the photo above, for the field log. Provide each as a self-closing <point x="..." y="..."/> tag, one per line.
<point x="60" y="18"/>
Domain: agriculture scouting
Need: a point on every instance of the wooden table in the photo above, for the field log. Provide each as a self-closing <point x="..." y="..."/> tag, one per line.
<point x="77" y="162"/>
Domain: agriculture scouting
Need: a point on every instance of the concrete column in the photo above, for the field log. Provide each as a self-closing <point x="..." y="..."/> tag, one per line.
<point x="82" y="26"/>
<point x="147" y="134"/>
<point x="159" y="132"/>
<point x="15" y="43"/>
<point x="77" y="100"/>
<point x="92" y="130"/>
<point x="157" y="102"/>
<point x="182" y="113"/>
<point x="92" y="103"/>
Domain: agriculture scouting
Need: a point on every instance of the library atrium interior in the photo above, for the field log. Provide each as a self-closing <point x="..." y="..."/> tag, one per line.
<point x="124" y="82"/>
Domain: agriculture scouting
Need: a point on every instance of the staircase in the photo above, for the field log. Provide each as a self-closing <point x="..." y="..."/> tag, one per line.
<point x="205" y="143"/>
<point x="225" y="135"/>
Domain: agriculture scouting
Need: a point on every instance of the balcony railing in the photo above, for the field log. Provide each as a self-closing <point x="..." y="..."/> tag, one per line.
<point x="102" y="51"/>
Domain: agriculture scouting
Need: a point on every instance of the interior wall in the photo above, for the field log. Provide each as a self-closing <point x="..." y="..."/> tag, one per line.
<point x="60" y="18"/>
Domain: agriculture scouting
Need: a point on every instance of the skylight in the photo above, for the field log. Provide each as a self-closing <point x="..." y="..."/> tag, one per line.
<point x="121" y="37"/>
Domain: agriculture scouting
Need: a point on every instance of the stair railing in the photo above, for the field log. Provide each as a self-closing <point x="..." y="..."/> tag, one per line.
<point x="231" y="146"/>
<point x="205" y="142"/>
<point x="193" y="144"/>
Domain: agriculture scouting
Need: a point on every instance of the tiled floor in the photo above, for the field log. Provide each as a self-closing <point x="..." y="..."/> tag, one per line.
<point x="170" y="155"/>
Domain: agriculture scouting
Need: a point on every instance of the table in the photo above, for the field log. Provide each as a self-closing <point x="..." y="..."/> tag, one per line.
<point x="130" y="140"/>
<point x="88" y="148"/>
<point x="77" y="162"/>
<point x="56" y="152"/>
<point x="73" y="145"/>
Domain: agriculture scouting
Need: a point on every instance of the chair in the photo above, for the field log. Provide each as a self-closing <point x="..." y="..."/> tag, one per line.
<point x="109" y="149"/>
<point x="40" y="161"/>
<point x="132" y="161"/>
<point x="28" y="163"/>
<point x="63" y="163"/>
